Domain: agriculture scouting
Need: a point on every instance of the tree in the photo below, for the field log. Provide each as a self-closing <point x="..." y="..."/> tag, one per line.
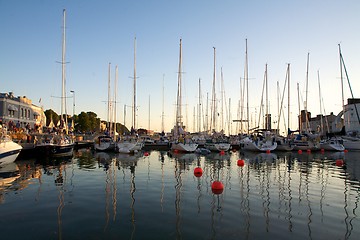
<point x="51" y="115"/>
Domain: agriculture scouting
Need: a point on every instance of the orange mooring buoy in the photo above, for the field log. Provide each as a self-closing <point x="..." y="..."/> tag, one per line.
<point x="240" y="162"/>
<point x="198" y="172"/>
<point x="339" y="162"/>
<point x="217" y="187"/>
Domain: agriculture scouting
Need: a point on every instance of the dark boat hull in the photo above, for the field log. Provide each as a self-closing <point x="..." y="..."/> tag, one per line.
<point x="54" y="150"/>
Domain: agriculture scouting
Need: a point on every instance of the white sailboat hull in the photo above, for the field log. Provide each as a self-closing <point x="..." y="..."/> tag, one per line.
<point x="251" y="145"/>
<point x="184" y="147"/>
<point x="351" y="143"/>
<point x="332" y="145"/>
<point x="217" y="147"/>
<point x="129" y="147"/>
<point x="9" y="151"/>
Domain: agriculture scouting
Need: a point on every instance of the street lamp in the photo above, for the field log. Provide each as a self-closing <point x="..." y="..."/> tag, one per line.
<point x="72" y="122"/>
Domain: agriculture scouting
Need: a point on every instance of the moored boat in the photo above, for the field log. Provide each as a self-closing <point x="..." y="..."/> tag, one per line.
<point x="104" y="143"/>
<point x="54" y="145"/>
<point x="332" y="144"/>
<point x="258" y="145"/>
<point x="9" y="150"/>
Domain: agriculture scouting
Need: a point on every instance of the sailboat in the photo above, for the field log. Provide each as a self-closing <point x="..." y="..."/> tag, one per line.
<point x="58" y="145"/>
<point x="182" y="142"/>
<point x="330" y="143"/>
<point x="351" y="112"/>
<point x="105" y="143"/>
<point x="217" y="141"/>
<point x="285" y="143"/>
<point x="262" y="140"/>
<point x="306" y="140"/>
<point x="131" y="144"/>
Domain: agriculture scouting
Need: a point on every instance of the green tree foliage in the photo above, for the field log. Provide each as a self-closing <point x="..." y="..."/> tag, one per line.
<point x="50" y="114"/>
<point x="84" y="122"/>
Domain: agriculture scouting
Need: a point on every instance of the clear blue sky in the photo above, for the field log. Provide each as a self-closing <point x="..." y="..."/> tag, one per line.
<point x="99" y="32"/>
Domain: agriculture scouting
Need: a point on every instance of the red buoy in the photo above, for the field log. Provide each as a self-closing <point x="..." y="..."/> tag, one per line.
<point x="176" y="151"/>
<point x="322" y="150"/>
<point x="217" y="187"/>
<point x="146" y="154"/>
<point x="268" y="151"/>
<point x="240" y="162"/>
<point x="339" y="162"/>
<point x="308" y="151"/>
<point x="222" y="152"/>
<point x="300" y="151"/>
<point x="345" y="150"/>
<point x="198" y="172"/>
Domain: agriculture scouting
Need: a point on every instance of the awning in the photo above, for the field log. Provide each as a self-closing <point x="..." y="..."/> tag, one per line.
<point x="12" y="108"/>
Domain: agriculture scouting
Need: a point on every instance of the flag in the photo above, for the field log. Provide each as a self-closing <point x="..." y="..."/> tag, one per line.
<point x="40" y="100"/>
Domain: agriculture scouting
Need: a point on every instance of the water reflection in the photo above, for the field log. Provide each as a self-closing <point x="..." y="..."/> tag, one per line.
<point x="289" y="194"/>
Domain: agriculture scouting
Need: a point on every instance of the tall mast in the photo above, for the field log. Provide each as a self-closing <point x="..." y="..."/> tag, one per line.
<point x="288" y="78"/>
<point x="213" y="100"/>
<point x="222" y="99"/>
<point x="306" y="98"/>
<point x="134" y="93"/>
<point x="115" y="96"/>
<point x="149" y="114"/>
<point x="247" y="88"/>
<point x="199" y="108"/>
<point x="162" y="113"/>
<point x="321" y="112"/>
<point x="267" y="126"/>
<point x="63" y="76"/>
<point x="342" y="83"/>
<point x="178" y="102"/>
<point x="109" y="99"/>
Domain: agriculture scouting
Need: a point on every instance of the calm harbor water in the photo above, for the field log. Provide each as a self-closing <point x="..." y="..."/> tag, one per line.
<point x="115" y="196"/>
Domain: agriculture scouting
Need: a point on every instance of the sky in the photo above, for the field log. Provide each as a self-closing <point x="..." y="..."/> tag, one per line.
<point x="99" y="32"/>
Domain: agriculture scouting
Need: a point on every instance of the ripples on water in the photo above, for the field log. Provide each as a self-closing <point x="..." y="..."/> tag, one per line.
<point x="108" y="196"/>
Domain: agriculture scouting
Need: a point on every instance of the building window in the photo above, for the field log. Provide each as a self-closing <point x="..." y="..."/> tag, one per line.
<point x="22" y="113"/>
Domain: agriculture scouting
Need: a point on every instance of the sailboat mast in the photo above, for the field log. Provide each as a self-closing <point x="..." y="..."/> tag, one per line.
<point x="288" y="79"/>
<point x="321" y="112"/>
<point x="222" y="100"/>
<point x="134" y="93"/>
<point x="115" y="96"/>
<point x="178" y="102"/>
<point x="199" y="108"/>
<point x="63" y="76"/>
<point x="213" y="100"/>
<point x="247" y="88"/>
<point x="162" y="114"/>
<point x="306" y="98"/>
<point x="342" y="83"/>
<point x="109" y="99"/>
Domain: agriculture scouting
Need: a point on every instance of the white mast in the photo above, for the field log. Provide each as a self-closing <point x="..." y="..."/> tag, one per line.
<point x="178" y="102"/>
<point x="162" y="114"/>
<point x="213" y="99"/>
<point x="63" y="92"/>
<point x="199" y="108"/>
<point x="134" y="94"/>
<point x="115" y="96"/>
<point x="109" y="99"/>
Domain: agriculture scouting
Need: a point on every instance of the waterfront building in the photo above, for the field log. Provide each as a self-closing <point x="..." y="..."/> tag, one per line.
<point x="20" y="112"/>
<point x="320" y="124"/>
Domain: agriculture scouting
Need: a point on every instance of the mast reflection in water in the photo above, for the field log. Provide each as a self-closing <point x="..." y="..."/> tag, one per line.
<point x="158" y="196"/>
